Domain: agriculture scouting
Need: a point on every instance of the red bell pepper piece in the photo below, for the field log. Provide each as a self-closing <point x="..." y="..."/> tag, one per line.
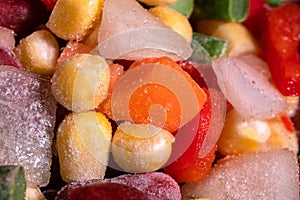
<point x="189" y="167"/>
<point x="280" y="42"/>
<point x="257" y="12"/>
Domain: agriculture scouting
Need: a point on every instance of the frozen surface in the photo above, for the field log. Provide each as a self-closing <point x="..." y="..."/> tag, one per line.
<point x="156" y="183"/>
<point x="248" y="89"/>
<point x="27" y="117"/>
<point x="138" y="34"/>
<point x="271" y="175"/>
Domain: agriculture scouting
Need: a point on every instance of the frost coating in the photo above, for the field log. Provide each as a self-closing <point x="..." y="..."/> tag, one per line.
<point x="27" y="118"/>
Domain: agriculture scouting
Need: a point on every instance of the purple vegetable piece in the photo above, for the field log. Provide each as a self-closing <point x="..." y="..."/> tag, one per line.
<point x="156" y="183"/>
<point x="109" y="191"/>
<point x="7" y="57"/>
<point x="22" y="16"/>
<point x="27" y="119"/>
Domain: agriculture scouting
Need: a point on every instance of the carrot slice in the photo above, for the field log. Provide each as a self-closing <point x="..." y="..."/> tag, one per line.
<point x="116" y="71"/>
<point x="162" y="87"/>
<point x="143" y="111"/>
<point x="71" y="49"/>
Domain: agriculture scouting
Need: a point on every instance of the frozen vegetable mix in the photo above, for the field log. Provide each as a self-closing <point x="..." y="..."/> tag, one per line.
<point x="149" y="99"/>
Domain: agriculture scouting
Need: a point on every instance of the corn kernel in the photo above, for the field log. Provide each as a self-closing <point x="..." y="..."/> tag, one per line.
<point x="293" y="105"/>
<point x="83" y="143"/>
<point x="232" y="141"/>
<point x="34" y="193"/>
<point x="38" y="52"/>
<point x="72" y="19"/>
<point x="240" y="135"/>
<point x="281" y="137"/>
<point x="255" y="130"/>
<point x="240" y="39"/>
<point x="81" y="82"/>
<point x="178" y="22"/>
<point x="141" y="148"/>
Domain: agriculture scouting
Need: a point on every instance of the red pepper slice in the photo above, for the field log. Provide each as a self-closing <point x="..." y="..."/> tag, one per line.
<point x="288" y="124"/>
<point x="257" y="12"/>
<point x="189" y="167"/>
<point x="280" y="41"/>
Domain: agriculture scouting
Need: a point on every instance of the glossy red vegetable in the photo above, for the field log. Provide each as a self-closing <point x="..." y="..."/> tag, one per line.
<point x="190" y="167"/>
<point x="109" y="191"/>
<point x="257" y="12"/>
<point x="49" y="3"/>
<point x="280" y="42"/>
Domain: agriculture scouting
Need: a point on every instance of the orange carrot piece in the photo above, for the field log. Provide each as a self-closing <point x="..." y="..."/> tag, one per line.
<point x="116" y="71"/>
<point x="71" y="49"/>
<point x="151" y="94"/>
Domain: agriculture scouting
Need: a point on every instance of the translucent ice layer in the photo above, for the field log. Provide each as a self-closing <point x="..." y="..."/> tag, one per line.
<point x="27" y="118"/>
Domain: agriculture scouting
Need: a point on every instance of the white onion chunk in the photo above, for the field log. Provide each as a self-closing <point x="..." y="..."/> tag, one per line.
<point x="248" y="90"/>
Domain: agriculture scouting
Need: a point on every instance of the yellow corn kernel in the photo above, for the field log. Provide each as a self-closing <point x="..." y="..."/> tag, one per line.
<point x="293" y="105"/>
<point x="281" y="137"/>
<point x="157" y="2"/>
<point x="83" y="143"/>
<point x="234" y="138"/>
<point x="72" y="19"/>
<point x="81" y="82"/>
<point x="256" y="130"/>
<point x="141" y="148"/>
<point x="34" y="193"/>
<point x="38" y="52"/>
<point x="240" y="39"/>
<point x="91" y="40"/>
<point x="178" y="22"/>
<point x="240" y="135"/>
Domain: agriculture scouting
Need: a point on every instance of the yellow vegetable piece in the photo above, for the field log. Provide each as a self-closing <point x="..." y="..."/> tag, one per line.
<point x="81" y="82"/>
<point x="293" y="105"/>
<point x="72" y="19"/>
<point x="240" y="39"/>
<point x="38" y="52"/>
<point x="83" y="142"/>
<point x="91" y="40"/>
<point x="231" y="141"/>
<point x="34" y="193"/>
<point x="178" y="22"/>
<point x="240" y="136"/>
<point x="141" y="148"/>
<point x="281" y="137"/>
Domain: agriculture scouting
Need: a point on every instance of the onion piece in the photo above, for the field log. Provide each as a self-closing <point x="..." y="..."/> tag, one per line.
<point x="261" y="175"/>
<point x="247" y="90"/>
<point x="218" y="112"/>
<point x="137" y="34"/>
<point x="257" y="63"/>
